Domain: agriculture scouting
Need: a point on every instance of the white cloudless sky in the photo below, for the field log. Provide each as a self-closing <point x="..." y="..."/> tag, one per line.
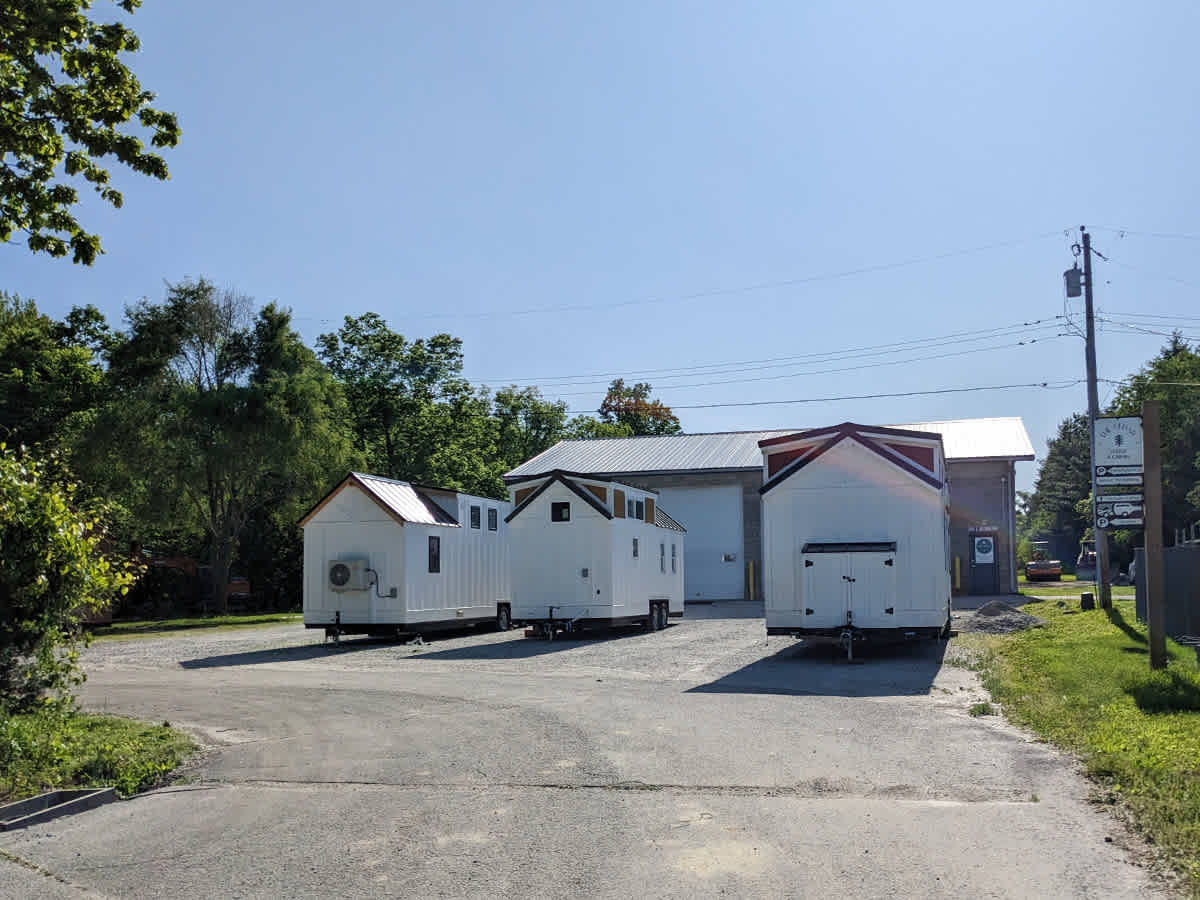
<point x="454" y="165"/>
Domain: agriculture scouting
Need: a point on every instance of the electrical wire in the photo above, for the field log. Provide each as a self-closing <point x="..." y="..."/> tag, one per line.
<point x="1154" y="383"/>
<point x="1141" y="315"/>
<point x="741" y="289"/>
<point x="1122" y="232"/>
<point x="1048" y="385"/>
<point x="813" y="358"/>
<point x="894" y="362"/>
<point x="1128" y="327"/>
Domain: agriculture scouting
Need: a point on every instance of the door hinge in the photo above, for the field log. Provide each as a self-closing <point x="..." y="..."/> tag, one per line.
<point x="807" y="563"/>
<point x="890" y="610"/>
<point x="808" y="612"/>
<point x="888" y="562"/>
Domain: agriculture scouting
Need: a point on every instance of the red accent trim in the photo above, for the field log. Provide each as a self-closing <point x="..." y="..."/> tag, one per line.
<point x="850" y="428"/>
<point x="922" y="456"/>
<point x="847" y="431"/>
<point x="776" y="461"/>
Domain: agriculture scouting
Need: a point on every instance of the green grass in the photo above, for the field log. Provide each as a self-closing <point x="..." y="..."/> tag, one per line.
<point x="137" y="628"/>
<point x="57" y="749"/>
<point x="982" y="709"/>
<point x="1084" y="682"/>
<point x="1066" y="588"/>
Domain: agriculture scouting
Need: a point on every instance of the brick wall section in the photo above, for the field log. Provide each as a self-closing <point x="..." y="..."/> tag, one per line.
<point x="751" y="510"/>
<point x="982" y="495"/>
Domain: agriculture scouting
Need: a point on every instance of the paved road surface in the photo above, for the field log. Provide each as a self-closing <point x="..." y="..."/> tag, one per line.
<point x="703" y="761"/>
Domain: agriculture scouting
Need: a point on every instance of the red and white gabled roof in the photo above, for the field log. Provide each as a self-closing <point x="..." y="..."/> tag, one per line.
<point x="915" y="452"/>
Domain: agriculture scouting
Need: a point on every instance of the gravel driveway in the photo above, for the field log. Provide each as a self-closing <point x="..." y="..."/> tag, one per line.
<point x="705" y="760"/>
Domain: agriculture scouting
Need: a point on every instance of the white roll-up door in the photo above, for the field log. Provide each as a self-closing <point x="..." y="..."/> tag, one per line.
<point x="713" y="564"/>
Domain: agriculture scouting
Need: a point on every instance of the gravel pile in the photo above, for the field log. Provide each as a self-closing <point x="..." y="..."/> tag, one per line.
<point x="997" y="617"/>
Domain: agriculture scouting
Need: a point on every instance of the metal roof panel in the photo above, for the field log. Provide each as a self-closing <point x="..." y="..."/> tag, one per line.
<point x="405" y="501"/>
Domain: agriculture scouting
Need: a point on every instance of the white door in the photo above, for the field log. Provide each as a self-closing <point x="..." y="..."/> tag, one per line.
<point x="712" y="556"/>
<point x="873" y="589"/>
<point x="826" y="592"/>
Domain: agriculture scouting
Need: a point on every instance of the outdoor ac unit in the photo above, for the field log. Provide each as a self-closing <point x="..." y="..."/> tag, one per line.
<point x="348" y="574"/>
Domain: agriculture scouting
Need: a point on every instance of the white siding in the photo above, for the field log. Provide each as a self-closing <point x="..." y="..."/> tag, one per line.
<point x="850" y="494"/>
<point x="712" y="516"/>
<point x="549" y="559"/>
<point x="474" y="573"/>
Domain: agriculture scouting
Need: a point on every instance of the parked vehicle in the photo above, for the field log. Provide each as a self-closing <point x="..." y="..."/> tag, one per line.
<point x="389" y="558"/>
<point x="590" y="552"/>
<point x="1042" y="566"/>
<point x="856" y="535"/>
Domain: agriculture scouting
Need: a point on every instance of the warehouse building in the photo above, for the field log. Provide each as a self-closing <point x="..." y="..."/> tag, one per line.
<point x="711" y="482"/>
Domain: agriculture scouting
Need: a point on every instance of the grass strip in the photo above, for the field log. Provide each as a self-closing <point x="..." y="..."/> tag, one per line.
<point x="1084" y="683"/>
<point x="56" y="748"/>
<point x="135" y="628"/>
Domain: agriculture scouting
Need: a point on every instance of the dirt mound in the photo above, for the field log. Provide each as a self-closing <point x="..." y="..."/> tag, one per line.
<point x="998" y="617"/>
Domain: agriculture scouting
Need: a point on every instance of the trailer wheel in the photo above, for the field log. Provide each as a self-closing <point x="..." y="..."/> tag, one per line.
<point x="652" y="617"/>
<point x="663" y="615"/>
<point x="503" y="618"/>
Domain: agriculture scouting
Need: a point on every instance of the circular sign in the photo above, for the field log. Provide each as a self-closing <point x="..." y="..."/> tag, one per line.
<point x="339" y="575"/>
<point x="1102" y="522"/>
<point x="983" y="546"/>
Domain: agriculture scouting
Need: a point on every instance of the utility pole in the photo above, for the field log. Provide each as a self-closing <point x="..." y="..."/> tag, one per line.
<point x="1156" y="613"/>
<point x="1104" y="589"/>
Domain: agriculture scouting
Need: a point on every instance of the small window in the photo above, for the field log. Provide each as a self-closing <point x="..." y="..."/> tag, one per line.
<point x="635" y="548"/>
<point x="493" y="519"/>
<point x="475" y="517"/>
<point x="630" y="509"/>
<point x="640" y="511"/>
<point x="673" y="564"/>
<point x="560" y="512"/>
<point x="662" y="557"/>
<point x="435" y="554"/>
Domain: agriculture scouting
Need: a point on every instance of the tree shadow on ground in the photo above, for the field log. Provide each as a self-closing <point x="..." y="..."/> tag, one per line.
<point x="886" y="670"/>
<point x="1114" y="616"/>
<point x="1167" y="692"/>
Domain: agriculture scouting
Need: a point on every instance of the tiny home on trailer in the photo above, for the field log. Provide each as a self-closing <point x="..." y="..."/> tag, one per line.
<point x="855" y="534"/>
<point x="386" y="557"/>
<point x="592" y="552"/>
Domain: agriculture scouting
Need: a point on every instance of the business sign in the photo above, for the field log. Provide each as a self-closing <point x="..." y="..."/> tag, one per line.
<point x="985" y="551"/>
<point x="1102" y="480"/>
<point x="1116" y="523"/>
<point x="1118" y="444"/>
<point x="1126" y="496"/>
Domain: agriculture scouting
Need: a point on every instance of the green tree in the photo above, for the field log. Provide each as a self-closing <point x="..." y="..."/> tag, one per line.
<point x="390" y="384"/>
<point x="67" y="103"/>
<point x="1065" y="479"/>
<point x="631" y="405"/>
<point x="218" y="417"/>
<point x="526" y="424"/>
<point x="1166" y="378"/>
<point x="49" y="370"/>
<point x="51" y="568"/>
<point x="581" y="428"/>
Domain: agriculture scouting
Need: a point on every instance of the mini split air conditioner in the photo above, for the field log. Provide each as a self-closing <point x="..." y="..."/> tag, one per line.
<point x="348" y="574"/>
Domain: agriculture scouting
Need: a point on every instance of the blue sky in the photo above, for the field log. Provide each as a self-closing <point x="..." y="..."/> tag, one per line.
<point x="451" y="165"/>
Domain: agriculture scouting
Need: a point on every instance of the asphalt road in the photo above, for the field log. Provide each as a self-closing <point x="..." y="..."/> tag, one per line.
<point x="703" y="761"/>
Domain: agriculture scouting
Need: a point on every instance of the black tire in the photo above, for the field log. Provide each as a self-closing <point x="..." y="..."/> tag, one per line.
<point x="663" y="616"/>
<point x="652" y="618"/>
<point x="503" y="618"/>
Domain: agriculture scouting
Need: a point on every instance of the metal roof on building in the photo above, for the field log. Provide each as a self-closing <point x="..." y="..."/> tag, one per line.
<point x="405" y="500"/>
<point x="963" y="439"/>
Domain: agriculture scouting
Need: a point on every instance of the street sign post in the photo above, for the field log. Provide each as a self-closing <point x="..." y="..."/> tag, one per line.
<point x="1119" y="475"/>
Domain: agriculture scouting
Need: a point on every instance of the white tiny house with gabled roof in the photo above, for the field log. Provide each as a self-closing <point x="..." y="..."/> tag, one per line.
<point x="589" y="551"/>
<point x="387" y="557"/>
<point x="855" y="533"/>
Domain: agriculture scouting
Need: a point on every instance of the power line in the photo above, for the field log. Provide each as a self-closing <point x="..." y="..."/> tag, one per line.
<point x="1153" y="383"/>
<point x="731" y="291"/>
<point x="894" y="362"/>
<point x="815" y="358"/>
<point x="1141" y="315"/>
<point x="1141" y="330"/>
<point x="1049" y="385"/>
<point x="1175" y="236"/>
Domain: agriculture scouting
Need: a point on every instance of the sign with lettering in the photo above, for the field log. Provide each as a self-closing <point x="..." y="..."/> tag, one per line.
<point x="1118" y="444"/>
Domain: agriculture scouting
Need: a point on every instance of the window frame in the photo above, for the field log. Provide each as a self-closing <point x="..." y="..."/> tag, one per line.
<point x="640" y="509"/>
<point x="435" y="554"/>
<point x="476" y="516"/>
<point x="674" y="570"/>
<point x="557" y="508"/>
<point x="662" y="557"/>
<point x="493" y="519"/>
<point x="635" y="548"/>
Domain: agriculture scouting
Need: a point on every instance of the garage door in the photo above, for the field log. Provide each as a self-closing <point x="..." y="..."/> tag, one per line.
<point x="712" y="558"/>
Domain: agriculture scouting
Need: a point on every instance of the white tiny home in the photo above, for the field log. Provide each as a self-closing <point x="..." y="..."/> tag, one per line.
<point x="587" y="551"/>
<point x="855" y="534"/>
<point x="387" y="557"/>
